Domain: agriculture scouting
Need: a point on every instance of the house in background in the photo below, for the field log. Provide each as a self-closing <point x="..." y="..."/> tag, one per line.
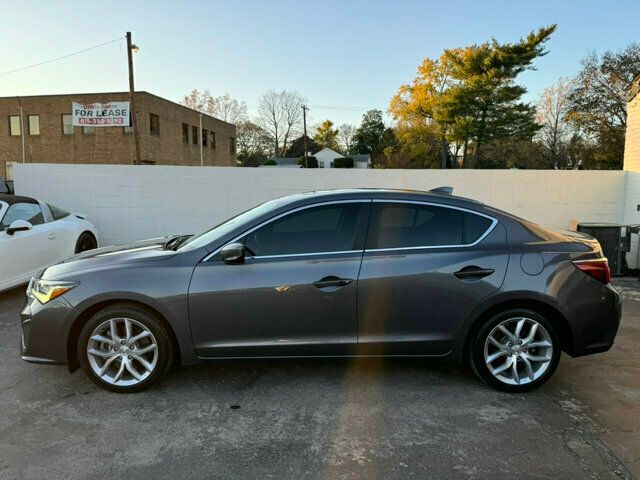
<point x="325" y="158"/>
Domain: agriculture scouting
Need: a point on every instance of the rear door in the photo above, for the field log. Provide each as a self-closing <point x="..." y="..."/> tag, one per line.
<point x="424" y="267"/>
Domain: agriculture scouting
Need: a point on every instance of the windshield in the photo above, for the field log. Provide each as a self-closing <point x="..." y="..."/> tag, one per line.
<point x="212" y="234"/>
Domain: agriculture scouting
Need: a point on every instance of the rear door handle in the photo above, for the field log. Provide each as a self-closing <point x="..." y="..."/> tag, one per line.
<point x="332" y="281"/>
<point x="52" y="236"/>
<point x="473" y="272"/>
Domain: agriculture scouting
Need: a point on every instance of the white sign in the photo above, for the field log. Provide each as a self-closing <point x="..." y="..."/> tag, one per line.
<point x="112" y="114"/>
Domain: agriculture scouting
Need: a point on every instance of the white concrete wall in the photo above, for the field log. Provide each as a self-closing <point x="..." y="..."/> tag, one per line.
<point x="134" y="202"/>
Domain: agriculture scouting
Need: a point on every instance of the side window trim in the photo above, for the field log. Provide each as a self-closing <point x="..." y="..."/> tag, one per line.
<point x="373" y="223"/>
<point x="284" y="214"/>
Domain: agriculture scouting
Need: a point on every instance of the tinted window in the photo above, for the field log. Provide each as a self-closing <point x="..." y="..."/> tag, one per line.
<point x="23" y="211"/>
<point x="327" y="228"/>
<point x="412" y="225"/>
<point x="57" y="213"/>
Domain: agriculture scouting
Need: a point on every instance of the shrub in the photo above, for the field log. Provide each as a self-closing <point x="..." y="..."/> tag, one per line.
<point x="343" y="162"/>
<point x="312" y="162"/>
<point x="269" y="162"/>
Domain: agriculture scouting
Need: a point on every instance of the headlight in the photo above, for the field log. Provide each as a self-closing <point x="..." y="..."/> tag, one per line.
<point x="46" y="290"/>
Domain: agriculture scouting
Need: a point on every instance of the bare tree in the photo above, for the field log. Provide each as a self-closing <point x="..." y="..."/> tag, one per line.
<point x="346" y="135"/>
<point x="280" y="114"/>
<point x="551" y="113"/>
<point x="254" y="143"/>
<point x="223" y="107"/>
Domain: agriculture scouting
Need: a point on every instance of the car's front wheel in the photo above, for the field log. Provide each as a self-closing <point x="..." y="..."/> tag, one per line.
<point x="516" y="350"/>
<point x="124" y="348"/>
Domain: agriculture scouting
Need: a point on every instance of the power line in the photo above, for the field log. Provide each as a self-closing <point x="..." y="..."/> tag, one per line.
<point x="62" y="57"/>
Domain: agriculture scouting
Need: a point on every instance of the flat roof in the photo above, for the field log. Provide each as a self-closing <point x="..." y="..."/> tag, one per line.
<point x="115" y="93"/>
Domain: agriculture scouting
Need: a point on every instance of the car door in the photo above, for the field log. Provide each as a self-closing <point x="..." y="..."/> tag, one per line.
<point x="24" y="253"/>
<point x="424" y="267"/>
<point x="295" y="292"/>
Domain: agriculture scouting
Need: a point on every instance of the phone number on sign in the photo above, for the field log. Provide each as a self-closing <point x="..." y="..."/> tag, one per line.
<point x="101" y="121"/>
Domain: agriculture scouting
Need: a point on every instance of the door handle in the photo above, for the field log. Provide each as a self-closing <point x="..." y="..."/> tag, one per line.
<point x="332" y="281"/>
<point x="52" y="236"/>
<point x="473" y="272"/>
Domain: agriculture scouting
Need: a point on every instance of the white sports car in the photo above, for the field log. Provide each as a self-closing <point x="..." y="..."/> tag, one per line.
<point x="34" y="234"/>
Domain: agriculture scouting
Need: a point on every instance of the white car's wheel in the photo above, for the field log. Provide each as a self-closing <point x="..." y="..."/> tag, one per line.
<point x="85" y="242"/>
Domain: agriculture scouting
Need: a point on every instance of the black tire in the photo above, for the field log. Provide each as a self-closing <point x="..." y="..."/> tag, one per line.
<point x="85" y="242"/>
<point x="477" y="357"/>
<point x="154" y="325"/>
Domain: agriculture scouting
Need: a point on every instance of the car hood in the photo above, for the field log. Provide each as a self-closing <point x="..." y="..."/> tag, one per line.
<point x="143" y="251"/>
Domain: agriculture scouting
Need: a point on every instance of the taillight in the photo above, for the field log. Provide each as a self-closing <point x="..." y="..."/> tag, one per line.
<point x="598" y="269"/>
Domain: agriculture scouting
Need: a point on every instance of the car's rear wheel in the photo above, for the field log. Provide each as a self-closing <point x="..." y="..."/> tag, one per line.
<point x="516" y="350"/>
<point x="125" y="349"/>
<point x="85" y="242"/>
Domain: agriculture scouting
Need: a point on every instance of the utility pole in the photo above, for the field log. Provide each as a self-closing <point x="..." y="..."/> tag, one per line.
<point x="201" y="142"/>
<point x="132" y="104"/>
<point x="304" y="122"/>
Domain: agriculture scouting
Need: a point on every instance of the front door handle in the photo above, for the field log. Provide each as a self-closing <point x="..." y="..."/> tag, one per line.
<point x="473" y="272"/>
<point x="52" y="236"/>
<point x="332" y="281"/>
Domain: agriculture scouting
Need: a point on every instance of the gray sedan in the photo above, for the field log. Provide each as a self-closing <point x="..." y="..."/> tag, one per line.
<point x="331" y="274"/>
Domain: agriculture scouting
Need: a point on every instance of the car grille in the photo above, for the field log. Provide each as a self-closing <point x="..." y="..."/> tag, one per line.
<point x="26" y="332"/>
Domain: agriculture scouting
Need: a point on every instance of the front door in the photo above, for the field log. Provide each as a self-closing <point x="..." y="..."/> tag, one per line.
<point x="295" y="293"/>
<point x="424" y="268"/>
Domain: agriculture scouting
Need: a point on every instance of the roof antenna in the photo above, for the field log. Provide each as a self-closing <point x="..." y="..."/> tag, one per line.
<point x="442" y="190"/>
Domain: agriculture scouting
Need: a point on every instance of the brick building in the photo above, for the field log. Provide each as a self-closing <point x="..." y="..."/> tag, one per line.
<point x="632" y="135"/>
<point x="169" y="133"/>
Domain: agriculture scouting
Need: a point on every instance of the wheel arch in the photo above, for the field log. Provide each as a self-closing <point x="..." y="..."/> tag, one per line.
<point x="83" y="317"/>
<point x="541" y="306"/>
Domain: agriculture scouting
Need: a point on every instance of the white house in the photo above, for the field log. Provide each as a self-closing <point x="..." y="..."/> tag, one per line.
<point x="326" y="156"/>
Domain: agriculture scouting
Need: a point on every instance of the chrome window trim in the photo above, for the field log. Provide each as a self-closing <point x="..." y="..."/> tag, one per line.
<point x="494" y="222"/>
<point x="3" y="209"/>
<point x="283" y="214"/>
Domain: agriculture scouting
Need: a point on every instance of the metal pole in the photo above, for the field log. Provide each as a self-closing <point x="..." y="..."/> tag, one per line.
<point x="134" y="115"/>
<point x="24" y="155"/>
<point x="304" y="121"/>
<point x="201" y="142"/>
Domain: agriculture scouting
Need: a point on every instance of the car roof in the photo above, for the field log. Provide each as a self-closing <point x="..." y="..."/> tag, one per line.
<point x="11" y="199"/>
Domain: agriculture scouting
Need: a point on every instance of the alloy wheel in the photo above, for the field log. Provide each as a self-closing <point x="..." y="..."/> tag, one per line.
<point x="122" y="352"/>
<point x="518" y="351"/>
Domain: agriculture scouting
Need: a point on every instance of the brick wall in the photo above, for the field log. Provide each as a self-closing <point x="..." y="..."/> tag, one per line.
<point x="632" y="136"/>
<point x="110" y="145"/>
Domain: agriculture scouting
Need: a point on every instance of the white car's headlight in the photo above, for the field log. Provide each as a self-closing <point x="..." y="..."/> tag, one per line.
<point x="46" y="290"/>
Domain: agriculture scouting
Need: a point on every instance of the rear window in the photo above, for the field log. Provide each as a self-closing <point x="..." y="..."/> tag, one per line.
<point x="57" y="213"/>
<point x="402" y="225"/>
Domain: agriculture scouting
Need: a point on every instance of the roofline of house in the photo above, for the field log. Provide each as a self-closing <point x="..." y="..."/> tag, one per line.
<point x="115" y="93"/>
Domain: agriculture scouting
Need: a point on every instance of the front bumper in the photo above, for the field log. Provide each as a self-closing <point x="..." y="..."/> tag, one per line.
<point x="44" y="331"/>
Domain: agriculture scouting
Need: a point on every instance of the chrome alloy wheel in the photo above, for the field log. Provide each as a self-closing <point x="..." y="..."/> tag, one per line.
<point x="518" y="351"/>
<point x="122" y="352"/>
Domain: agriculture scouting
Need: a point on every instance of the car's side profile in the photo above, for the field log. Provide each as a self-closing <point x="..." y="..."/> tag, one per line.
<point x="339" y="273"/>
<point x="34" y="234"/>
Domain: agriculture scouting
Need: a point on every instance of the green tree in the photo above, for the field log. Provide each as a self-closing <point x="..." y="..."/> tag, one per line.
<point x="296" y="148"/>
<point x="469" y="97"/>
<point x="368" y="137"/>
<point x="598" y="106"/>
<point x="326" y="136"/>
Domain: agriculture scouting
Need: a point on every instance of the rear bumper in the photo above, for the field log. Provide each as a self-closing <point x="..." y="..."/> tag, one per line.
<point x="594" y="311"/>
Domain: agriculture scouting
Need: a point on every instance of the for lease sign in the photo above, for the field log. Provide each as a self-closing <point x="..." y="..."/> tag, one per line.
<point x="112" y="114"/>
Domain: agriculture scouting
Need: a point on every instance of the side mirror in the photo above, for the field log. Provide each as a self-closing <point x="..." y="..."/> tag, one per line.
<point x="232" y="253"/>
<point x="19" y="226"/>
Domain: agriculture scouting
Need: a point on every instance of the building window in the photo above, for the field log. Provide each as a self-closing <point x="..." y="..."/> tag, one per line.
<point x="154" y="124"/>
<point x="185" y="133"/>
<point x="34" y="125"/>
<point x="14" y="126"/>
<point x="88" y="130"/>
<point x="194" y="135"/>
<point x="232" y="146"/>
<point x="205" y="137"/>
<point x="67" y="124"/>
<point x="213" y="139"/>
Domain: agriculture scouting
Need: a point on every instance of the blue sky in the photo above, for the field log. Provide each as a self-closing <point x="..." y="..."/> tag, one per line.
<point x="336" y="53"/>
